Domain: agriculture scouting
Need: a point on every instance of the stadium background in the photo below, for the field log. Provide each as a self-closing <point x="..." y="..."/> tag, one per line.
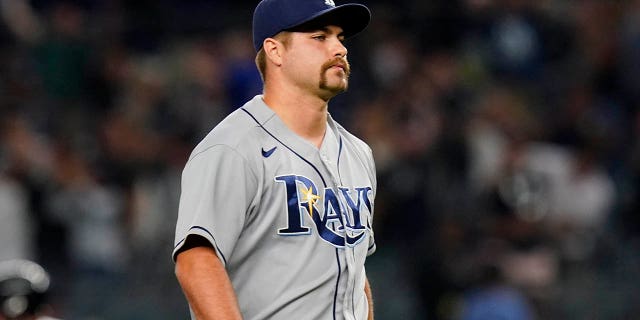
<point x="505" y="134"/>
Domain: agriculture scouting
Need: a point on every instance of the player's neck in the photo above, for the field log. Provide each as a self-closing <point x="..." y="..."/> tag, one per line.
<point x="305" y="115"/>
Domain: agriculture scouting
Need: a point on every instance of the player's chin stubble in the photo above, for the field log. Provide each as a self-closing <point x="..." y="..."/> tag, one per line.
<point x="323" y="75"/>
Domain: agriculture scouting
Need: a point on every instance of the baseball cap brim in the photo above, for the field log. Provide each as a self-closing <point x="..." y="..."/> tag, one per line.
<point x="352" y="18"/>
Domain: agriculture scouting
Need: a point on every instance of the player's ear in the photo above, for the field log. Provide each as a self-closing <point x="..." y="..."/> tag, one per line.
<point x="273" y="49"/>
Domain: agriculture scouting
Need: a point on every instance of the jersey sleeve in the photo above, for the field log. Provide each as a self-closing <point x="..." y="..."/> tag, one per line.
<point x="217" y="192"/>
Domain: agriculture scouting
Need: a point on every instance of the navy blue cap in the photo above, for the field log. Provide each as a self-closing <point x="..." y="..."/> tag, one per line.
<point x="273" y="16"/>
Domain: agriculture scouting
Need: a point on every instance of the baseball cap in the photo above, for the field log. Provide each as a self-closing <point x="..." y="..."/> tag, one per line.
<point x="273" y="16"/>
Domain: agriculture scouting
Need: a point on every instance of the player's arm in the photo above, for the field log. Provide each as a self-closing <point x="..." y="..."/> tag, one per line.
<point x="205" y="282"/>
<point x="367" y="292"/>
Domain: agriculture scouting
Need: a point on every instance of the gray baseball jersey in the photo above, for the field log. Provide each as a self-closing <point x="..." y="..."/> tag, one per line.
<point x="290" y="222"/>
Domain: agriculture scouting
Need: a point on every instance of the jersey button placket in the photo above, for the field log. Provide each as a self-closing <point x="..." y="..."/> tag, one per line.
<point x="328" y="165"/>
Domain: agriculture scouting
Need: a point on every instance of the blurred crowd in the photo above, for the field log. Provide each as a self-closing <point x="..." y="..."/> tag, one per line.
<point x="504" y="131"/>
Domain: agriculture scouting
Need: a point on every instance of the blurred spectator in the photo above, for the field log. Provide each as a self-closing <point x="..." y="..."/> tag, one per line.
<point x="492" y="299"/>
<point x="243" y="79"/>
<point x="15" y="224"/>
<point x="93" y="215"/>
<point x="26" y="164"/>
<point x="62" y="54"/>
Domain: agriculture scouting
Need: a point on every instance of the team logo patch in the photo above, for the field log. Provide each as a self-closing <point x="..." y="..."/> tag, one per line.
<point x="340" y="218"/>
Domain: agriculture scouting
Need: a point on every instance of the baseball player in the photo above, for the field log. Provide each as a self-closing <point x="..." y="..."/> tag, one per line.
<point x="277" y="200"/>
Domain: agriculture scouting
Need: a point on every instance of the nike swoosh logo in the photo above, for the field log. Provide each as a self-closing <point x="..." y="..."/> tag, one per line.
<point x="269" y="152"/>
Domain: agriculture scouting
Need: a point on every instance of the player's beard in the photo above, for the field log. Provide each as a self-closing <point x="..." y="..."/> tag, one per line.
<point x="343" y="85"/>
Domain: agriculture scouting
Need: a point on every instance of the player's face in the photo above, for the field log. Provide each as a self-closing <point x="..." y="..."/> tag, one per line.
<point x="317" y="59"/>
